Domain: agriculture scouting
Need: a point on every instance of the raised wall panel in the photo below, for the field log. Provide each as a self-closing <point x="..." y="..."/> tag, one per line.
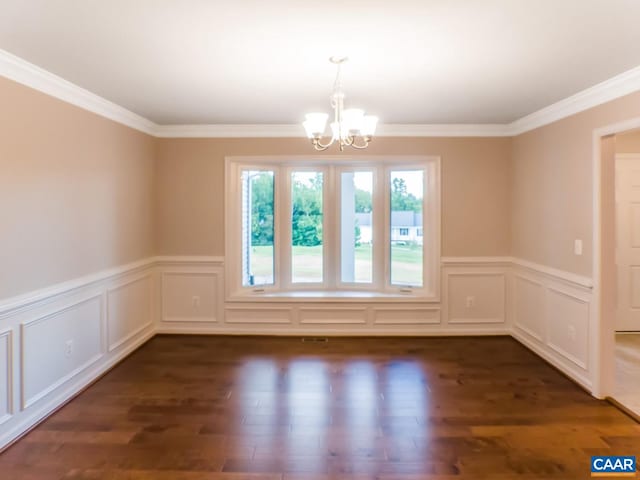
<point x="568" y="326"/>
<point x="332" y="315"/>
<point x="128" y="310"/>
<point x="476" y="297"/>
<point x="179" y="290"/>
<point x="58" y="346"/>
<point x="6" y="375"/>
<point x="259" y="315"/>
<point x="634" y="224"/>
<point x="529" y="307"/>
<point x="406" y="315"/>
<point x="634" y="286"/>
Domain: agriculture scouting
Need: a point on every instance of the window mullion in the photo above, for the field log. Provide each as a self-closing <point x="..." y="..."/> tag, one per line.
<point x="284" y="228"/>
<point x="380" y="243"/>
<point x="330" y="227"/>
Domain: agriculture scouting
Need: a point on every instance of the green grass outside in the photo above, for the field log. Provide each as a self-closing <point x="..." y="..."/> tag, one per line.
<point x="406" y="266"/>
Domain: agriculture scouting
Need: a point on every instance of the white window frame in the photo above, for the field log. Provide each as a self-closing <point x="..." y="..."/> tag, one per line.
<point x="332" y="287"/>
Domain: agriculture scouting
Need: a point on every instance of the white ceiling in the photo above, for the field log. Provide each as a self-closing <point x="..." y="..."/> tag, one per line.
<point x="266" y="62"/>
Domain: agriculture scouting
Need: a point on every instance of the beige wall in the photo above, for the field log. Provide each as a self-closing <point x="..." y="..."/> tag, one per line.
<point x="475" y="189"/>
<point x="76" y="191"/>
<point x="628" y="142"/>
<point x="552" y="186"/>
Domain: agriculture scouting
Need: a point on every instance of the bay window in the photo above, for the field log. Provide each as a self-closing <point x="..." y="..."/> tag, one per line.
<point x="332" y="226"/>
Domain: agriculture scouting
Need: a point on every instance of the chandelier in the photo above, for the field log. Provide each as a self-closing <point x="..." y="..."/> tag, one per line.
<point x="350" y="127"/>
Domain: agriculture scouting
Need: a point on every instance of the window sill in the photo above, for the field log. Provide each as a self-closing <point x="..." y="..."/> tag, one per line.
<point x="332" y="296"/>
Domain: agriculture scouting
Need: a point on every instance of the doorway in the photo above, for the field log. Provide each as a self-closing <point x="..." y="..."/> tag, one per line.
<point x="616" y="371"/>
<point x="626" y="390"/>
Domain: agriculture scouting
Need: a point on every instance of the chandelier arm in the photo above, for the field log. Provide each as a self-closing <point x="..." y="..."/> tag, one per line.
<point x="367" y="140"/>
<point x="319" y="146"/>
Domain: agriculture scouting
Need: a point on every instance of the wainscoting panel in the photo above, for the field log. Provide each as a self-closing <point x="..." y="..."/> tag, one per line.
<point x="53" y="342"/>
<point x="191" y="296"/>
<point x="333" y="315"/>
<point x="568" y="326"/>
<point x="406" y="315"/>
<point x="58" y="346"/>
<point x="476" y="297"/>
<point x="529" y="316"/>
<point x="129" y="307"/>
<point x="485" y="279"/>
<point x="475" y="293"/>
<point x="6" y="375"/>
<point x="71" y="333"/>
<point x="552" y="315"/>
<point x="259" y="315"/>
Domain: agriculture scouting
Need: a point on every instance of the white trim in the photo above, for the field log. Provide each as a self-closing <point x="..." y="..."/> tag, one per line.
<point x="602" y="350"/>
<point x="229" y="131"/>
<point x="8" y="333"/>
<point x="24" y="326"/>
<point x="486" y="261"/>
<point x="567" y="369"/>
<point x="202" y="260"/>
<point x="444" y="130"/>
<point x="111" y="346"/>
<point x="11" y="305"/>
<point x="394" y="330"/>
<point x="21" y="71"/>
<point x="579" y="280"/>
<point x="28" y="74"/>
<point x="615" y="87"/>
<point x="281" y="166"/>
<point x="573" y="278"/>
<point x="163" y="305"/>
<point x="296" y="131"/>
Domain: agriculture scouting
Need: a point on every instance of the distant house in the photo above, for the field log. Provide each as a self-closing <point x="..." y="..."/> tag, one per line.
<point x="406" y="227"/>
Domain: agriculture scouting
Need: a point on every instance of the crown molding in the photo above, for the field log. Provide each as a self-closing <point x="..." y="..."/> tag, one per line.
<point x="296" y="131"/>
<point x="228" y="131"/>
<point x="443" y="130"/>
<point x="28" y="74"/>
<point x="615" y="87"/>
<point x="21" y="71"/>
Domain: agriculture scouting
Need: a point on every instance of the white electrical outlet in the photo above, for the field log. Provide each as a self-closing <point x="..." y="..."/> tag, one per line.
<point x="577" y="247"/>
<point x="572" y="333"/>
<point x="195" y="301"/>
<point x="68" y="348"/>
<point x="471" y="302"/>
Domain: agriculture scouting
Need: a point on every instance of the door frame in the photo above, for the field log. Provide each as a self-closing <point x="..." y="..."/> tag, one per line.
<point x="604" y="299"/>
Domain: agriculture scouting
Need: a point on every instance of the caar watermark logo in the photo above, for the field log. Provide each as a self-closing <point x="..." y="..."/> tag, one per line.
<point x="603" y="466"/>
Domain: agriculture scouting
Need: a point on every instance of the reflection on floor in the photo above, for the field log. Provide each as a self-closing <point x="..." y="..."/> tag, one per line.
<point x="261" y="408"/>
<point x="628" y="371"/>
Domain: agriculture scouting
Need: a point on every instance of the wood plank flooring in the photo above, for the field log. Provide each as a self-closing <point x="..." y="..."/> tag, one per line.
<point x="261" y="408"/>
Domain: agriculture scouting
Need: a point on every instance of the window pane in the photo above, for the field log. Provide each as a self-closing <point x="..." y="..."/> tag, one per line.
<point x="356" y="220"/>
<point x="306" y="227"/>
<point x="406" y="219"/>
<point x="257" y="227"/>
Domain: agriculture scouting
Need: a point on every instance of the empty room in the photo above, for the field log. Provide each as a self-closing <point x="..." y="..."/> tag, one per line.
<point x="250" y="240"/>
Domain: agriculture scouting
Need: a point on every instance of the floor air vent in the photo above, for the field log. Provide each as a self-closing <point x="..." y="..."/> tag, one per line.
<point x="315" y="339"/>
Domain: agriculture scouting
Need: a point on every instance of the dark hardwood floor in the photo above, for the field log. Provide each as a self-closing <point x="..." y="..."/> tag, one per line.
<point x="225" y="408"/>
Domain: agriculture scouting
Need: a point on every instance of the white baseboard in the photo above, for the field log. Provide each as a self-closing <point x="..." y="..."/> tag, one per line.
<point x="329" y="332"/>
<point x="579" y="377"/>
